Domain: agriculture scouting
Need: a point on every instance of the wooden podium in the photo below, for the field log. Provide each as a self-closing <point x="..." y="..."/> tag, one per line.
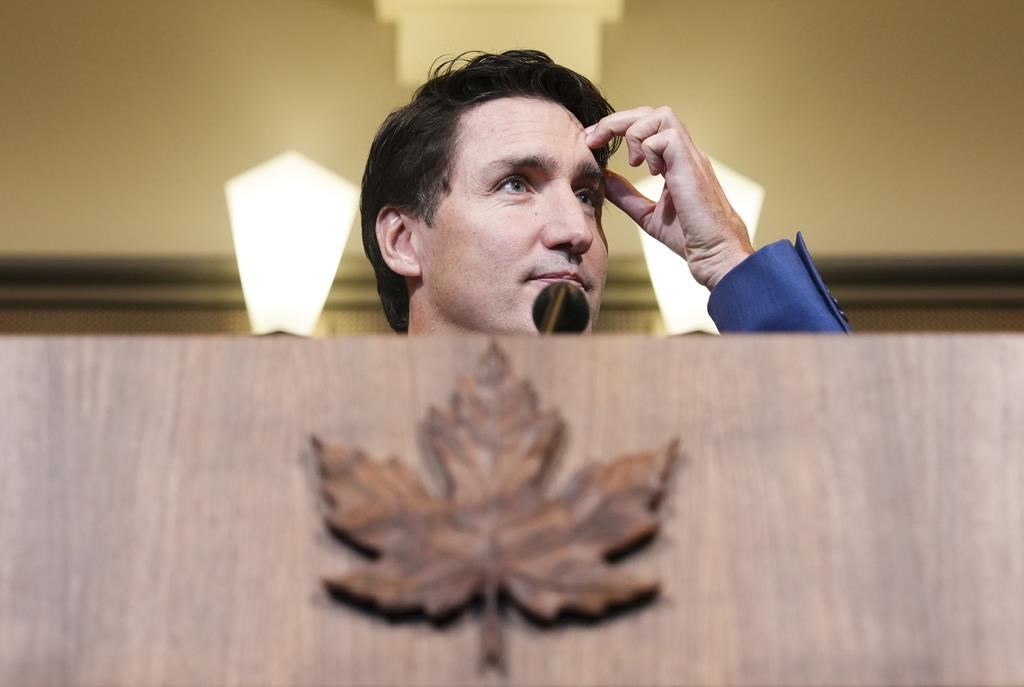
<point x="850" y="510"/>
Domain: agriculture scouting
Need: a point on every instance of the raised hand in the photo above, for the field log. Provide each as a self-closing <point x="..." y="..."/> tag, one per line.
<point x="693" y="217"/>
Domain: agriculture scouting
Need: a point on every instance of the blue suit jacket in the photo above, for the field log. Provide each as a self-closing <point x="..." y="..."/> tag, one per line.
<point x="776" y="289"/>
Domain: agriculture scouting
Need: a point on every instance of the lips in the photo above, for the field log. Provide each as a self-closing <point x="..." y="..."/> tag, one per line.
<point x="553" y="277"/>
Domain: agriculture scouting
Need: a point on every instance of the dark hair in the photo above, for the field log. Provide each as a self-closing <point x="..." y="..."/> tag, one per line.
<point x="410" y="159"/>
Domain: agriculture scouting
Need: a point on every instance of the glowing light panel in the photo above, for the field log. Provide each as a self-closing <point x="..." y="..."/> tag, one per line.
<point x="290" y="219"/>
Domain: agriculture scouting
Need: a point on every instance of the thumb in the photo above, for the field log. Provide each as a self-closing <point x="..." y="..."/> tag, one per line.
<point x="624" y="196"/>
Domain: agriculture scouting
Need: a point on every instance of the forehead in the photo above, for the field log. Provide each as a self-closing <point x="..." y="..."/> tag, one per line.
<point x="520" y="126"/>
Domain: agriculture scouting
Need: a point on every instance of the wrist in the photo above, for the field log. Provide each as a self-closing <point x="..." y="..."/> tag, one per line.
<point x="712" y="269"/>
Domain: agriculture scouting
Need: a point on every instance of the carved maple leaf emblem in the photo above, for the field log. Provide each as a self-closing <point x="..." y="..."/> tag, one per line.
<point x="491" y="528"/>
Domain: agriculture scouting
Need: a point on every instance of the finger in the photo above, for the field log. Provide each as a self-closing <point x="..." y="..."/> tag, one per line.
<point x="613" y="125"/>
<point x="654" y="162"/>
<point x="666" y="150"/>
<point x="624" y="196"/>
<point x="661" y="122"/>
<point x="635" y="135"/>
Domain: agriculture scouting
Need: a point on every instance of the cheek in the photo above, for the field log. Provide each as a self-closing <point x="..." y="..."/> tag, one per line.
<point x="597" y="256"/>
<point x="493" y="258"/>
<point x="499" y="237"/>
<point x="481" y="244"/>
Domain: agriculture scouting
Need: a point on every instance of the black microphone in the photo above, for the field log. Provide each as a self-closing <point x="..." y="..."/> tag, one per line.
<point x="561" y="307"/>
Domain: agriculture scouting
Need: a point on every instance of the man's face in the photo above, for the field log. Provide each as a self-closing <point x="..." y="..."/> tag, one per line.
<point x="523" y="211"/>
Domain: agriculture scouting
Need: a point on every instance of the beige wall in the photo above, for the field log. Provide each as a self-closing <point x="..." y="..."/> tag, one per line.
<point x="122" y="119"/>
<point x="877" y="126"/>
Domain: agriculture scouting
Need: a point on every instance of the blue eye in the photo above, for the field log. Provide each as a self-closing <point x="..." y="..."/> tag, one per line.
<point x="515" y="184"/>
<point x="592" y="197"/>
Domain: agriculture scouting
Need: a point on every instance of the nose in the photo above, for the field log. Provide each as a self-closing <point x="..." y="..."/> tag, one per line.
<point x="567" y="224"/>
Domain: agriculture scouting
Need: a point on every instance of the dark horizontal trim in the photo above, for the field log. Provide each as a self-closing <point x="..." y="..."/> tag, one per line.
<point x="213" y="282"/>
<point x="951" y="271"/>
<point x="884" y="282"/>
<point x="178" y="282"/>
<point x="64" y="271"/>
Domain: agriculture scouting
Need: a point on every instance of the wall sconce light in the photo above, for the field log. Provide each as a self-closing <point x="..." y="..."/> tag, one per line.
<point x="290" y="219"/>
<point x="682" y="301"/>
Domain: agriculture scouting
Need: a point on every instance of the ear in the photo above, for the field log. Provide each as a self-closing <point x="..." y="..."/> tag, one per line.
<point x="398" y="247"/>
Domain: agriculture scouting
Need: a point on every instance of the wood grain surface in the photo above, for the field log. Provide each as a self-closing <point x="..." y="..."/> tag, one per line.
<point x="850" y="510"/>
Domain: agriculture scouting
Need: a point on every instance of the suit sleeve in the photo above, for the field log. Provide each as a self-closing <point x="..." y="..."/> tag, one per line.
<point x="777" y="289"/>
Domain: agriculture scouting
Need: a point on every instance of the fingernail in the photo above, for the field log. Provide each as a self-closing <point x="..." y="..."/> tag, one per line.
<point x="590" y="129"/>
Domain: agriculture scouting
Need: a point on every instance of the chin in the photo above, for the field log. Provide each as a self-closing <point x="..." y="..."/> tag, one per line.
<point x="510" y="326"/>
